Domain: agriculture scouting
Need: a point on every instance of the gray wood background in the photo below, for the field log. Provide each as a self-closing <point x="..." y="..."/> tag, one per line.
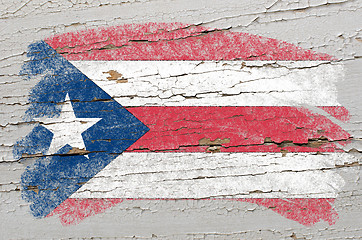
<point x="332" y="27"/>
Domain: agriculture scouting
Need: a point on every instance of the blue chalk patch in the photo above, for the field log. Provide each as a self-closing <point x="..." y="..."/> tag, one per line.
<point x="52" y="179"/>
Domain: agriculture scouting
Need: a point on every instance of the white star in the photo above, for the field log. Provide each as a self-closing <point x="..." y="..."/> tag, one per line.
<point x="67" y="128"/>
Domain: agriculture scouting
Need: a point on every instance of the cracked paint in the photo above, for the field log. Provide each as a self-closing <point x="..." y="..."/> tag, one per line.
<point x="186" y="130"/>
<point x="322" y="26"/>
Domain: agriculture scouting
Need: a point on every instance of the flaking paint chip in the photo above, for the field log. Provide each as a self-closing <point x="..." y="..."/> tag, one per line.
<point x="114" y="75"/>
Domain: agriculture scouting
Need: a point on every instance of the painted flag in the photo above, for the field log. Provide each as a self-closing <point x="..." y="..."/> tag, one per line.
<point x="177" y="111"/>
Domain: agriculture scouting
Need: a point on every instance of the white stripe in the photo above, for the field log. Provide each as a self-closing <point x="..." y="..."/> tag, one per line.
<point x="218" y="83"/>
<point x="219" y="175"/>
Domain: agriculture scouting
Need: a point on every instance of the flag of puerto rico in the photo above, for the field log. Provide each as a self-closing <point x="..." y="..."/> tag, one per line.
<point x="176" y="111"/>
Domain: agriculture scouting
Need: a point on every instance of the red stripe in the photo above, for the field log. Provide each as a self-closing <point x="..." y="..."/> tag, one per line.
<point x="303" y="211"/>
<point x="174" y="41"/>
<point x="340" y="113"/>
<point x="237" y="129"/>
<point x="73" y="211"/>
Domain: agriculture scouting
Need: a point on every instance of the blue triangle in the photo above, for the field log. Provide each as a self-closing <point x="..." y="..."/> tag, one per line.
<point x="52" y="179"/>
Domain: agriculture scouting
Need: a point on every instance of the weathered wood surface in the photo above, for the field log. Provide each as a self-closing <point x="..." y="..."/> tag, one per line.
<point x="332" y="27"/>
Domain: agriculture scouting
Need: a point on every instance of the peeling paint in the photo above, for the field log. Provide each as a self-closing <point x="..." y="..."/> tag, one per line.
<point x="331" y="27"/>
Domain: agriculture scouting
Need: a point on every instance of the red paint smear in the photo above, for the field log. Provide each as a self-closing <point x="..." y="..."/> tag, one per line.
<point x="303" y="211"/>
<point x="174" y="41"/>
<point x="73" y="211"/>
<point x="340" y="113"/>
<point x="179" y="129"/>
